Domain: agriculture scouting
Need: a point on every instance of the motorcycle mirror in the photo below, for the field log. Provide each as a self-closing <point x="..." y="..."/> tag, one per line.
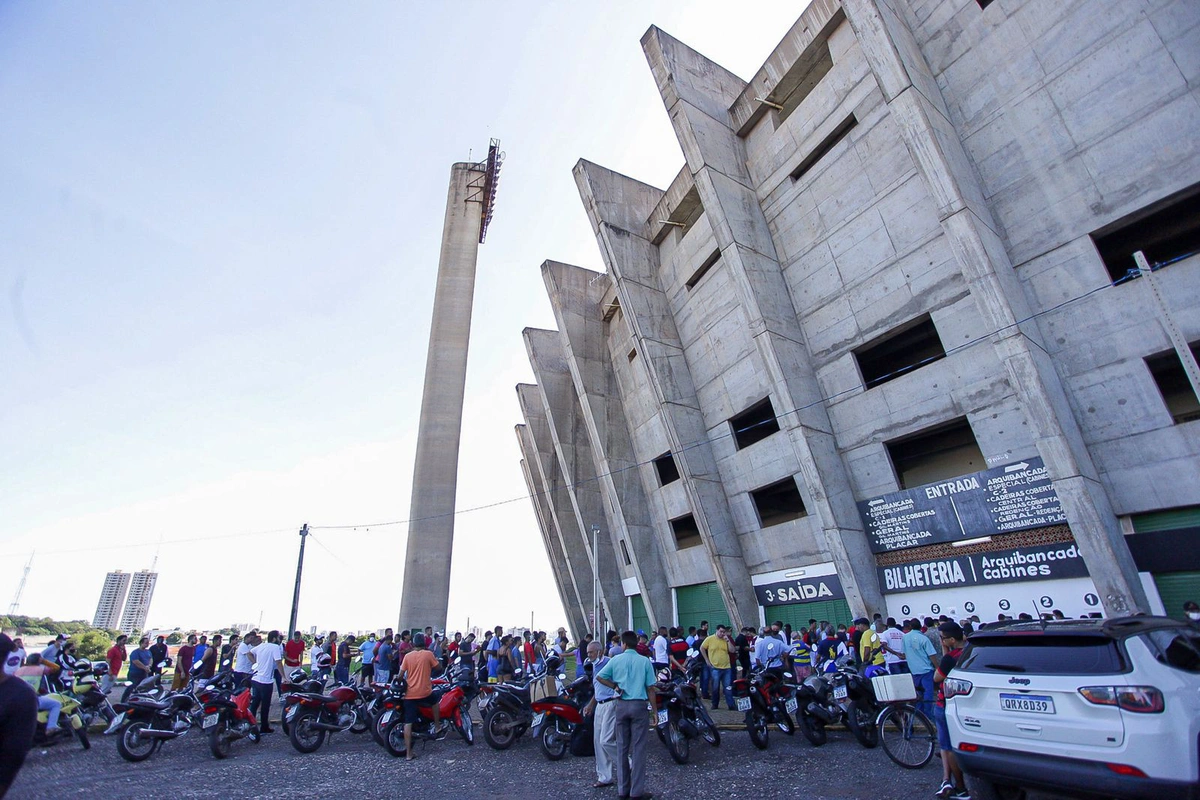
<point x="691" y="653"/>
<point x="787" y="674"/>
<point x="516" y="672"/>
<point x="562" y="676"/>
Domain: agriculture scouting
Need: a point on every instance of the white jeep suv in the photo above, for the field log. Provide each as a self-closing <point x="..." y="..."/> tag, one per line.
<point x="1093" y="708"/>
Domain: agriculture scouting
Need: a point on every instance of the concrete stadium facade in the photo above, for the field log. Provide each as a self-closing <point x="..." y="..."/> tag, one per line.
<point x="873" y="349"/>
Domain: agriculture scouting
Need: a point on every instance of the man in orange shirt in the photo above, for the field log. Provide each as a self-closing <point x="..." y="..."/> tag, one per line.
<point x="417" y="669"/>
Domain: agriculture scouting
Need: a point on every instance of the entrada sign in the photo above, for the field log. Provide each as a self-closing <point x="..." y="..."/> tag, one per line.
<point x="1011" y="498"/>
<point x="800" y="590"/>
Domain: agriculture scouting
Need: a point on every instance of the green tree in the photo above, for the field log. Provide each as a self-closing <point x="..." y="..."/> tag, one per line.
<point x="175" y="638"/>
<point x="92" y="644"/>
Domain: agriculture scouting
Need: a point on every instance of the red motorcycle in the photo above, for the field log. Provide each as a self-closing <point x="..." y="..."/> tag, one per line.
<point x="227" y="716"/>
<point x="312" y="715"/>
<point x="766" y="696"/>
<point x="556" y="719"/>
<point x="452" y="708"/>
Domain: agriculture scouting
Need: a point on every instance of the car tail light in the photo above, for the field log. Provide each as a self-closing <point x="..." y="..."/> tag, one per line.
<point x="1126" y="769"/>
<point x="954" y="687"/>
<point x="1138" y="699"/>
<point x="967" y="747"/>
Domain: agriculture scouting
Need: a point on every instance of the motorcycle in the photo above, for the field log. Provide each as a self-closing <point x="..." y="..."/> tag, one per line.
<point x="81" y="683"/>
<point x="840" y="695"/>
<point x="558" y="718"/>
<point x="765" y="697"/>
<point x="509" y="711"/>
<point x="70" y="720"/>
<point x="227" y="716"/>
<point x="680" y="713"/>
<point x="310" y="716"/>
<point x="298" y="681"/>
<point x="145" y="721"/>
<point x="453" y="707"/>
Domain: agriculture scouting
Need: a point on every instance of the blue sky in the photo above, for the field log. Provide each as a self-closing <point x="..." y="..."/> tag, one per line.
<point x="219" y="227"/>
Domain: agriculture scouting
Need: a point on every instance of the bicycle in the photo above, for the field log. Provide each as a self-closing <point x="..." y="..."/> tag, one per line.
<point x="907" y="734"/>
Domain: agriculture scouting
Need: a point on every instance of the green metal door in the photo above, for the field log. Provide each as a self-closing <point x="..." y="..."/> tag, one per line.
<point x="640" y="619"/>
<point x="1175" y="589"/>
<point x="798" y="614"/>
<point x="1169" y="520"/>
<point x="702" y="601"/>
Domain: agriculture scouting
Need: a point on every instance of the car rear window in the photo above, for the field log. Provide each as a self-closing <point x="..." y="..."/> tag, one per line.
<point x="1039" y="654"/>
<point x="1175" y="647"/>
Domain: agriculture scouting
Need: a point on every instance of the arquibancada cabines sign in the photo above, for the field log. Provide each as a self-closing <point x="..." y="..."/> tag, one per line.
<point x="1038" y="563"/>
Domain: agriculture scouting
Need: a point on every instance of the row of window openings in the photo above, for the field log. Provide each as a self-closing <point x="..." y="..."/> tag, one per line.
<point x="776" y="504"/>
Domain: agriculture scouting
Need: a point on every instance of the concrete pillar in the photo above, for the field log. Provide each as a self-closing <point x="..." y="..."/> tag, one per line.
<point x="619" y="206"/>
<point x="716" y="157"/>
<point x="426" y="592"/>
<point x="915" y="101"/>
<point x="575" y="295"/>
<point x="539" y="494"/>
<point x="581" y="491"/>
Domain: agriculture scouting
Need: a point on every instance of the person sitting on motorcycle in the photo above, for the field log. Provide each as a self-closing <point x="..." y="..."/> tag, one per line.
<point x="35" y="674"/>
<point x="871" y="647"/>
<point x="829" y="649"/>
<point x="768" y="653"/>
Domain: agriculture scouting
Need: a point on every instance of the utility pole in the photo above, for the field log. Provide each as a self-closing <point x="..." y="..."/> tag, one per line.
<point x="595" y="581"/>
<point x="299" y="573"/>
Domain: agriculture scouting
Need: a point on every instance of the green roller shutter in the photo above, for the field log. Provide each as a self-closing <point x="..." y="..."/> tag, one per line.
<point x="1169" y="520"/>
<point x="798" y="614"/>
<point x="1175" y="589"/>
<point x="640" y="620"/>
<point x="702" y="601"/>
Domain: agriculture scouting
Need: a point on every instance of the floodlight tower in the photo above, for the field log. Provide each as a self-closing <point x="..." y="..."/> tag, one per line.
<point x="426" y="592"/>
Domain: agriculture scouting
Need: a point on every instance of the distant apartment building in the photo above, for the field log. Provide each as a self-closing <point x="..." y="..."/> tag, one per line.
<point x="112" y="600"/>
<point x="141" y="591"/>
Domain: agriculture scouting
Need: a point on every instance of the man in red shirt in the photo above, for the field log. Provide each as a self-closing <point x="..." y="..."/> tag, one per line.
<point x="183" y="663"/>
<point x="293" y="651"/>
<point x="115" y="657"/>
<point x="417" y="668"/>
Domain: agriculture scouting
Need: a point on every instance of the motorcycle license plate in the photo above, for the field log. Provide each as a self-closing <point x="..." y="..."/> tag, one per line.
<point x="210" y="720"/>
<point x="291" y="712"/>
<point x="791" y="705"/>
<point x="537" y="719"/>
<point x="662" y="717"/>
<point x="840" y="693"/>
<point x="386" y="718"/>
<point x="743" y="704"/>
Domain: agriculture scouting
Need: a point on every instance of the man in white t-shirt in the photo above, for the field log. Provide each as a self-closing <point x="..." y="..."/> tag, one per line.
<point x="314" y="656"/>
<point x="661" y="658"/>
<point x="243" y="659"/>
<point x="268" y="660"/>
<point x="892" y="639"/>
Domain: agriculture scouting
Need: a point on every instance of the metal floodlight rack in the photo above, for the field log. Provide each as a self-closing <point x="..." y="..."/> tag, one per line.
<point x="483" y="188"/>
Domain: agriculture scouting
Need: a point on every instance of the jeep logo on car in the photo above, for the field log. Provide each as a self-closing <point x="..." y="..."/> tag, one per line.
<point x="1021" y="681"/>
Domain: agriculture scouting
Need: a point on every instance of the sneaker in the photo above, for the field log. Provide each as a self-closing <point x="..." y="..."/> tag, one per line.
<point x="944" y="790"/>
<point x="959" y="794"/>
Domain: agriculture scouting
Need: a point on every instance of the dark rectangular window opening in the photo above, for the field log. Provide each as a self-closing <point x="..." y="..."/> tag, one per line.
<point x="778" y="503"/>
<point x="668" y="472"/>
<point x="625" y="554"/>
<point x="1166" y="230"/>
<point x="899" y="352"/>
<point x="754" y="424"/>
<point x="936" y="454"/>
<point x="827" y="144"/>
<point x="632" y="354"/>
<point x="1173" y="384"/>
<point x="687" y="533"/>
<point x="703" y="270"/>
<point x="984" y="3"/>
<point x="800" y="80"/>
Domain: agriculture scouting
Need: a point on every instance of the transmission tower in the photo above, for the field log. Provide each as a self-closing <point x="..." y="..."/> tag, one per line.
<point x="16" y="602"/>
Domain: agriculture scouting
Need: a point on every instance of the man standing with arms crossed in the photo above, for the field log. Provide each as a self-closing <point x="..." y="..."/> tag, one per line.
<point x="632" y="676"/>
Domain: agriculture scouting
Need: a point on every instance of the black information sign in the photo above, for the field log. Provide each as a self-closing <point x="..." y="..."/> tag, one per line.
<point x="800" y="590"/>
<point x="1001" y="500"/>
<point x="1043" y="562"/>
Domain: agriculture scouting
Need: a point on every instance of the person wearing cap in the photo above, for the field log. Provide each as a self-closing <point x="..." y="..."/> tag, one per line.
<point x="18" y="719"/>
<point x="314" y="656"/>
<point x="417" y="670"/>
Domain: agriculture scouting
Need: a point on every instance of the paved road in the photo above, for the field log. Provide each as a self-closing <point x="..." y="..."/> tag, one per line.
<point x="450" y="769"/>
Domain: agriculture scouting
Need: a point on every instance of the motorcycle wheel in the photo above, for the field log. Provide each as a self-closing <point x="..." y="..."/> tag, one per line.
<point x="861" y="723"/>
<point x="813" y="729"/>
<point x="393" y="737"/>
<point x="218" y="740"/>
<point x="303" y="736"/>
<point x="82" y="734"/>
<point x="361" y="722"/>
<point x="132" y="745"/>
<point x="708" y="728"/>
<point x="677" y="744"/>
<point x="499" y="729"/>
<point x="553" y="745"/>
<point x="466" y="727"/>
<point x="756" y="725"/>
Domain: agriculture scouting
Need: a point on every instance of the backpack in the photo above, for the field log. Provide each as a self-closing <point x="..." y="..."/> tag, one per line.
<point x="582" y="743"/>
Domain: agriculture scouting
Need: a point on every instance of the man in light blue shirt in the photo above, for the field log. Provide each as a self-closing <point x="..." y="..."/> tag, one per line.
<point x="493" y="653"/>
<point x="632" y="676"/>
<point x="768" y="652"/>
<point x="919" y="653"/>
<point x="367" y="671"/>
<point x="604" y="724"/>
